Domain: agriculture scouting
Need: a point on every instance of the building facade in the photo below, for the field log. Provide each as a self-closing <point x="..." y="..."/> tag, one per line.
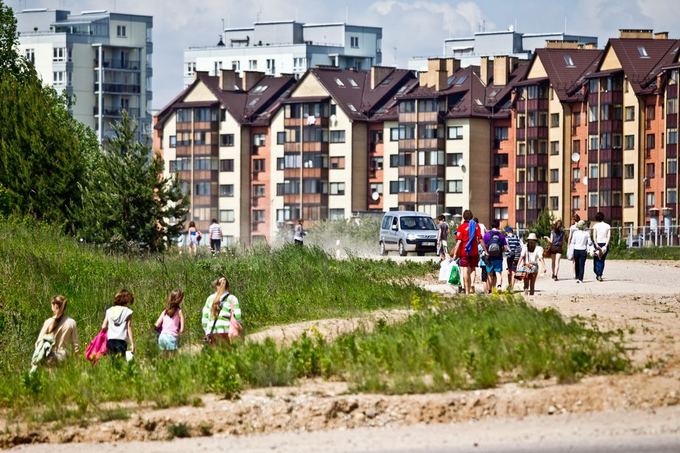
<point x="101" y="59"/>
<point x="287" y="47"/>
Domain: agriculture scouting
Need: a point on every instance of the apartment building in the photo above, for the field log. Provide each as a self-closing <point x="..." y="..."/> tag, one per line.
<point x="102" y="59"/>
<point x="214" y="137"/>
<point x="287" y="47"/>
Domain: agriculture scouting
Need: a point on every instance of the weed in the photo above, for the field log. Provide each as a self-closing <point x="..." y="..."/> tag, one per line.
<point x="179" y="430"/>
<point x="118" y="413"/>
<point x="205" y="429"/>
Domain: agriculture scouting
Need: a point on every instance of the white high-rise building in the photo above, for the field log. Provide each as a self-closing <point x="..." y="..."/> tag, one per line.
<point x="287" y="47"/>
<point x="100" y="58"/>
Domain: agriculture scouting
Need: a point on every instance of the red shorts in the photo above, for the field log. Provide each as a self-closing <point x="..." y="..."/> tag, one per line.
<point x="469" y="261"/>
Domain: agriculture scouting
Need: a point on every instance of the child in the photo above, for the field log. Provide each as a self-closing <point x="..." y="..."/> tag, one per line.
<point x="118" y="322"/>
<point x="219" y="308"/>
<point x="57" y="336"/>
<point x="482" y="264"/>
<point x="170" y="323"/>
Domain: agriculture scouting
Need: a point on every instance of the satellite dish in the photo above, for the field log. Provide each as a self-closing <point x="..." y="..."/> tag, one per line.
<point x="462" y="168"/>
<point x="333" y="119"/>
<point x="575" y="157"/>
<point x="311" y="119"/>
<point x="375" y="196"/>
<point x="585" y="180"/>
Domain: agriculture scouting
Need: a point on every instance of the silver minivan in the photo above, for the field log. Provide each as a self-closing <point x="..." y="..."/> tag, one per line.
<point x="407" y="231"/>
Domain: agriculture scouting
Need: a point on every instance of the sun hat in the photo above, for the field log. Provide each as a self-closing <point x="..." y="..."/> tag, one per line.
<point x="581" y="224"/>
<point x="532" y="237"/>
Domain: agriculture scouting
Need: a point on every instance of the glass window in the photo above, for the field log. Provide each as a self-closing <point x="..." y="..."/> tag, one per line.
<point x="455" y="133"/>
<point x="454" y="186"/>
<point x="630" y="114"/>
<point x="337" y="188"/>
<point x="394" y="134"/>
<point x="227" y="216"/>
<point x="226" y="190"/>
<point x="337" y="136"/>
<point x="227" y="165"/>
<point x="280" y="138"/>
<point x="554" y="120"/>
<point x="501" y="133"/>
<point x="455" y="159"/>
<point x="172" y="141"/>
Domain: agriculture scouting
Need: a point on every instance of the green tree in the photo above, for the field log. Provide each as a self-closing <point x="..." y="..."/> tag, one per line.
<point x="543" y="224"/>
<point x="42" y="147"/>
<point x="128" y="203"/>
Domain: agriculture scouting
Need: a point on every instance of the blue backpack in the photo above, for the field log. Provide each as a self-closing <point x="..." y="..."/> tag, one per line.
<point x="494" y="249"/>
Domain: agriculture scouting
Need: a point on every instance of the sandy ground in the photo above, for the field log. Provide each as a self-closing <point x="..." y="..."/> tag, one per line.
<point x="641" y="298"/>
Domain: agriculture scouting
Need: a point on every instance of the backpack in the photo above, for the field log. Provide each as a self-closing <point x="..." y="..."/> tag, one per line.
<point x="494" y="248"/>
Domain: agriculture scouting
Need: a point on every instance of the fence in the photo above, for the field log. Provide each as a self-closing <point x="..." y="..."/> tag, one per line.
<point x="661" y="236"/>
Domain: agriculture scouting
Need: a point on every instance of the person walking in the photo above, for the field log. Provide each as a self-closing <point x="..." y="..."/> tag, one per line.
<point x="555" y="244"/>
<point x="570" y="252"/>
<point x="118" y="325"/>
<point x="215" y="233"/>
<point x="532" y="253"/>
<point x="601" y="238"/>
<point x="170" y="324"/>
<point x="193" y="238"/>
<point x="221" y="315"/>
<point x="57" y="338"/>
<point x="442" y="238"/>
<point x="495" y="245"/>
<point x="513" y="253"/>
<point x="580" y="241"/>
<point x="468" y="237"/>
<point x="298" y="236"/>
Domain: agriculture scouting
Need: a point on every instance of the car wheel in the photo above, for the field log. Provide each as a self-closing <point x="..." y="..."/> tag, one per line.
<point x="402" y="249"/>
<point x="383" y="252"/>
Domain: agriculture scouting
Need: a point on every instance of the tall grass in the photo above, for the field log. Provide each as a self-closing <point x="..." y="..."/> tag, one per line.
<point x="470" y="344"/>
<point x="274" y="286"/>
<point x="645" y="253"/>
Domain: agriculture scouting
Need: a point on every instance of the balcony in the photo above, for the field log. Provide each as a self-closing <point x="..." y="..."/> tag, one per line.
<point x="406" y="197"/>
<point x="432" y="170"/>
<point x="131" y="65"/>
<point x="407" y="144"/>
<point x="430" y="197"/>
<point x="431" y="143"/>
<point x="117" y="88"/>
<point x="409" y="170"/>
<point x="115" y="112"/>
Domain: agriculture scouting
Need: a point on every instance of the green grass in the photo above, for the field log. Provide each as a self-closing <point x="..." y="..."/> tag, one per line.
<point x="645" y="253"/>
<point x="467" y="344"/>
<point x="274" y="287"/>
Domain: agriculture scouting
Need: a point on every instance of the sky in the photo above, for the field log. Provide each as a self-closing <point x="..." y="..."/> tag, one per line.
<point x="410" y="27"/>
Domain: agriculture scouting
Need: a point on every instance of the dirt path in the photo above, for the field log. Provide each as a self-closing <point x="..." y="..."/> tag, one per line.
<point x="649" y="315"/>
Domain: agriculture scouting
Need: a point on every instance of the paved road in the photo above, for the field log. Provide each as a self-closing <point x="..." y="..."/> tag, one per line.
<point x="616" y="431"/>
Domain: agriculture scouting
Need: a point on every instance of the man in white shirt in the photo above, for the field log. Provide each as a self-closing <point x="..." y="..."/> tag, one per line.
<point x="215" y="233"/>
<point x="601" y="237"/>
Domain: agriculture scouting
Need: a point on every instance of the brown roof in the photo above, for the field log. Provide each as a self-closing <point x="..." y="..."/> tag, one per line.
<point x="566" y="68"/>
<point x="641" y="69"/>
<point x="247" y="107"/>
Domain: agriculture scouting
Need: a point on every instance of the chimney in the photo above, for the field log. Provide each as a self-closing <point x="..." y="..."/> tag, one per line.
<point x="661" y="35"/>
<point x="485" y="70"/>
<point x="250" y="79"/>
<point x="559" y="44"/>
<point x="435" y="76"/>
<point x="588" y="46"/>
<point x="626" y="33"/>
<point x="501" y="65"/>
<point x="452" y="65"/>
<point x="378" y="74"/>
<point x="229" y="78"/>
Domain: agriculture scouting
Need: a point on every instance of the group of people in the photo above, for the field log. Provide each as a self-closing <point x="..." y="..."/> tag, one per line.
<point x="477" y="247"/>
<point x="220" y="318"/>
<point x="194" y="237"/>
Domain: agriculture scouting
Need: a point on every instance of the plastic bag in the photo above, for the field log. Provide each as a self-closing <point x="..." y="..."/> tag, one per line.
<point x="445" y="270"/>
<point x="454" y="278"/>
<point x="570" y="252"/>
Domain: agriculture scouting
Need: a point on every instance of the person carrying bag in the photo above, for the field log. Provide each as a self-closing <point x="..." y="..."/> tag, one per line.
<point x="221" y="316"/>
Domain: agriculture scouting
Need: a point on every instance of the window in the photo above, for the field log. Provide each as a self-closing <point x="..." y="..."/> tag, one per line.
<point x="337" y="136"/>
<point x="649" y="171"/>
<point x="568" y="61"/>
<point x="339" y="82"/>
<point x="394" y="134"/>
<point x="616" y="141"/>
<point x="554" y="148"/>
<point x="575" y="203"/>
<point x="455" y="133"/>
<point x="542" y="119"/>
<point x="554" y="120"/>
<point x="59" y="77"/>
<point x="651" y="199"/>
<point x="352" y="108"/>
<point x="521" y="149"/>
<point x="642" y="52"/>
<point x="376" y="163"/>
<point x="576" y="174"/>
<point x="521" y="121"/>
<point x="259" y="190"/>
<point x="183" y="115"/>
<point x="407" y="132"/>
<point x="629" y="171"/>
<point x="651" y="141"/>
<point x="592" y="113"/>
<point x="337" y="163"/>
<point x="172" y="141"/>
<point x="337" y="188"/>
<point x="672" y="166"/>
<point x="205" y="163"/>
<point x="592" y="171"/>
<point x="394" y="187"/>
<point x="672" y="196"/>
<point x="59" y="54"/>
<point x="577" y="119"/>
<point x="354" y="41"/>
<point x="554" y="175"/>
<point x="227" y="165"/>
<point x="554" y="203"/>
<point x="121" y="31"/>
<point x="252" y="65"/>
<point x="501" y="133"/>
<point x="593" y="141"/>
<point x="336" y="214"/>
<point x="672" y="136"/>
<point x="353" y="82"/>
<point x="672" y="106"/>
<point x="593" y="200"/>
<point x="235" y="65"/>
<point x="30" y="55"/>
<point x="629" y="200"/>
<point x="259" y="165"/>
<point x="407" y="107"/>
<point x="280" y="138"/>
<point x="259" y="139"/>
<point x="226" y="190"/>
<point x="618" y="112"/>
<point x="454" y="159"/>
<point x="500" y="187"/>
<point x="630" y="141"/>
<point x="454" y="186"/>
<point x="500" y="213"/>
<point x="271" y="66"/>
<point x="630" y="114"/>
<point x="200" y="138"/>
<point x="520" y="203"/>
<point x="202" y="188"/>
<point x="604" y="112"/>
<point x="227" y="216"/>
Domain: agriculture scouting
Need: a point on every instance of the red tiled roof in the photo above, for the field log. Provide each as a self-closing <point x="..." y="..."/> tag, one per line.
<point x="566" y="68"/>
<point x="641" y="70"/>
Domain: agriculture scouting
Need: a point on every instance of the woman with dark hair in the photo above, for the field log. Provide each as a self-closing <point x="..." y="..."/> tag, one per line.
<point x="555" y="243"/>
<point x="118" y="325"/>
<point x="193" y="237"/>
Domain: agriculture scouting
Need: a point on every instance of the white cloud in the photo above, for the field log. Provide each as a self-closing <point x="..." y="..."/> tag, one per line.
<point x="462" y="17"/>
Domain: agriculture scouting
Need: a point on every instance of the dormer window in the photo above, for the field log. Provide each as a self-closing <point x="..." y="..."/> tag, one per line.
<point x="568" y="61"/>
<point x="643" y="52"/>
<point x="352" y="82"/>
<point x="352" y="108"/>
<point x="339" y="82"/>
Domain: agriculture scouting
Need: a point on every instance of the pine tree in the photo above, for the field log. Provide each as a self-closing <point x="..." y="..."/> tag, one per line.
<point x="128" y="203"/>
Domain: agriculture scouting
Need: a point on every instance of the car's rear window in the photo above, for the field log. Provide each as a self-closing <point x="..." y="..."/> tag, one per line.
<point x="417" y="223"/>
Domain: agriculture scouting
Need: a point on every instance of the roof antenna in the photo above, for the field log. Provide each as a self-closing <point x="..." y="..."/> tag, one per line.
<point x="565" y="25"/>
<point x="346" y="13"/>
<point x="395" y="55"/>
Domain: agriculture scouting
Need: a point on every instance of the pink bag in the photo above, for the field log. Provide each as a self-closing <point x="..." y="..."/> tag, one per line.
<point x="97" y="347"/>
<point x="235" y="328"/>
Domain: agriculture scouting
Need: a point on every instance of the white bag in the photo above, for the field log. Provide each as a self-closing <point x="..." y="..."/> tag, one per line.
<point x="445" y="269"/>
<point x="570" y="252"/>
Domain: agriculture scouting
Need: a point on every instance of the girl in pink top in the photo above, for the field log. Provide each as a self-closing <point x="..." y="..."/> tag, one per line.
<point x="171" y="322"/>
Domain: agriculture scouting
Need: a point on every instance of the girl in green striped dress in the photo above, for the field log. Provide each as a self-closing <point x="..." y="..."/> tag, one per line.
<point x="217" y="313"/>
